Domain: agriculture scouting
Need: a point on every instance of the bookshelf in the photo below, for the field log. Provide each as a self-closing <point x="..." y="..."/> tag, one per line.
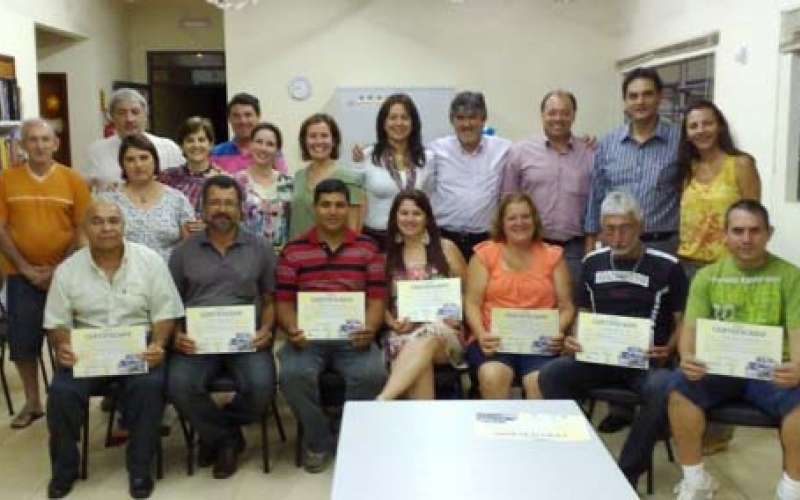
<point x="9" y="112"/>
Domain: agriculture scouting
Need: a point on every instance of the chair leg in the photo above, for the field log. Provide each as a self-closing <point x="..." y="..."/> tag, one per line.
<point x="85" y="443"/>
<point x="159" y="458"/>
<point x="670" y="454"/>
<point x="111" y="414"/>
<point x="298" y="450"/>
<point x="278" y="421"/>
<point x="265" y="441"/>
<point x="44" y="372"/>
<point x="6" y="390"/>
<point x="650" y="474"/>
<point x="188" y="436"/>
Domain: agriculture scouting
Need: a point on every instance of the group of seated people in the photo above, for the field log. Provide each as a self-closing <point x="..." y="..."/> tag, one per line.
<point x="163" y="242"/>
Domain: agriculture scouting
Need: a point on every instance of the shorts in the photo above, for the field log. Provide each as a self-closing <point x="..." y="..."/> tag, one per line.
<point x="521" y="364"/>
<point x="25" y="318"/>
<point x="714" y="390"/>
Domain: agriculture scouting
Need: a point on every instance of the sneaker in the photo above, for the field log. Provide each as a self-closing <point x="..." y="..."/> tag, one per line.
<point x="703" y="491"/>
<point x="315" y="462"/>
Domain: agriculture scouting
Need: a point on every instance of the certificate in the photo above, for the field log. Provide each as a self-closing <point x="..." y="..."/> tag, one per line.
<point x="330" y="315"/>
<point x="530" y="426"/>
<point x="223" y="329"/>
<point x="525" y="331"/>
<point x="429" y="300"/>
<point x="104" y="352"/>
<point x="614" y="340"/>
<point x="739" y="349"/>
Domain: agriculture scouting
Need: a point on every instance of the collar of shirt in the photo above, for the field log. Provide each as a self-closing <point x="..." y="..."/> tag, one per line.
<point x="122" y="264"/>
<point x="349" y="237"/>
<point x="475" y="152"/>
<point x="240" y="236"/>
<point x="570" y="145"/>
<point x="660" y="132"/>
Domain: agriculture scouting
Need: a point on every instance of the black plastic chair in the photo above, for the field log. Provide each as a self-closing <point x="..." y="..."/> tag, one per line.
<point x="741" y="413"/>
<point x="627" y="397"/>
<point x="112" y="391"/>
<point x="226" y="383"/>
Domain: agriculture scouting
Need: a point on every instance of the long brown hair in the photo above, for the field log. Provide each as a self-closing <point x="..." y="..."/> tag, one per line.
<point x="687" y="152"/>
<point x="434" y="253"/>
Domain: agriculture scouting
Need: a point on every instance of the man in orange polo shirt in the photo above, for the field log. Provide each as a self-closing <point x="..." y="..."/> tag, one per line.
<point x="41" y="206"/>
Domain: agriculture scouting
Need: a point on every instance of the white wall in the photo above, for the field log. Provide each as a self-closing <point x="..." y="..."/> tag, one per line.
<point x="156" y="26"/>
<point x="91" y="63"/>
<point x="514" y="51"/>
<point x="754" y="95"/>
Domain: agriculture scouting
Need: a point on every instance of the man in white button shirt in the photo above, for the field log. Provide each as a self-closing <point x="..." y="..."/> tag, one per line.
<point x="111" y="282"/>
<point x="129" y="113"/>
<point x="467" y="168"/>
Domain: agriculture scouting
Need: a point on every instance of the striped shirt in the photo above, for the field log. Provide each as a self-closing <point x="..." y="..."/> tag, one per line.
<point x="647" y="170"/>
<point x="307" y="264"/>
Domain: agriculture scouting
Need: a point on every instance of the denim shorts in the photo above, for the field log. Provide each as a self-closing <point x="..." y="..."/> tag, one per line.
<point x="25" y="318"/>
<point x="521" y="364"/>
<point x="714" y="390"/>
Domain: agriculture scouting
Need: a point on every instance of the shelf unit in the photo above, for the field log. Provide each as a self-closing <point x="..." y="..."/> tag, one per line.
<point x="9" y="147"/>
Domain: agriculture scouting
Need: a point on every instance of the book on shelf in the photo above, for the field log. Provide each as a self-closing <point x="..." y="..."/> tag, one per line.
<point x="9" y="99"/>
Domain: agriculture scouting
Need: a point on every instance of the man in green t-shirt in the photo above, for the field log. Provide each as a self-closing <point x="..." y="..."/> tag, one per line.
<point x="748" y="285"/>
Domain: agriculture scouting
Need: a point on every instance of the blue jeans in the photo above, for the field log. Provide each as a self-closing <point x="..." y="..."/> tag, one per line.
<point x="364" y="373"/>
<point x="67" y="398"/>
<point x="567" y="378"/>
<point x="189" y="376"/>
<point x="25" y="318"/>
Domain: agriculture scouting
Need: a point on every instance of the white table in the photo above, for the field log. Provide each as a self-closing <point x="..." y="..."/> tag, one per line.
<point x="419" y="450"/>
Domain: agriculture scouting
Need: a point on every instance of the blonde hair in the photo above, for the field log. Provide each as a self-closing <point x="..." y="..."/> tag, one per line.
<point x="497" y="233"/>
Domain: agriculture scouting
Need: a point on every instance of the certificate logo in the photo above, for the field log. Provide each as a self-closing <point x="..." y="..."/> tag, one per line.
<point x="449" y="310"/>
<point x="761" y="368"/>
<point x="633" y="357"/>
<point x="350" y="326"/>
<point x="130" y="364"/>
<point x="241" y="342"/>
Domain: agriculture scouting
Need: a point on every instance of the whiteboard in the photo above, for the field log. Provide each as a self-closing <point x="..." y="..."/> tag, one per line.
<point x="356" y="108"/>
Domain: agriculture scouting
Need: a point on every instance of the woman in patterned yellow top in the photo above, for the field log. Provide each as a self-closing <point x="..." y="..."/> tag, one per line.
<point x="714" y="175"/>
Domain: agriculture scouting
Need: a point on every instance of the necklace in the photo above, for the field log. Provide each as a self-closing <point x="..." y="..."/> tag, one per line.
<point x="635" y="266"/>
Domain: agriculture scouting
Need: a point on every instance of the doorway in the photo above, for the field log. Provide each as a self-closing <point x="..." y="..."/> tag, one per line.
<point x="53" y="107"/>
<point x="184" y="84"/>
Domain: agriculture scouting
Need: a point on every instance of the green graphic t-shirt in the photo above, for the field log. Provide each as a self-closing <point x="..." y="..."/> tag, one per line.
<point x="766" y="296"/>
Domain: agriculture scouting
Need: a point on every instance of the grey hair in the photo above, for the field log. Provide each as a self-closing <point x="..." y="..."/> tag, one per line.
<point x="620" y="203"/>
<point x="29" y="123"/>
<point x="468" y="102"/>
<point x="126" y="94"/>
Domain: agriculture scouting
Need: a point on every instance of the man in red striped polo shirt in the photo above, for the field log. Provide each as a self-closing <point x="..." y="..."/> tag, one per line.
<point x="329" y="258"/>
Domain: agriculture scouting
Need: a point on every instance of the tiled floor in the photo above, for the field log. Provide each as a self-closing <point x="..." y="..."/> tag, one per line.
<point x="748" y="470"/>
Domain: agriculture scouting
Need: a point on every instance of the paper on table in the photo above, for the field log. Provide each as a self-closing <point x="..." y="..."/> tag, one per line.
<point x="105" y="352"/>
<point x="429" y="300"/>
<point x="524" y="331"/>
<point x="614" y="340"/>
<point x="739" y="349"/>
<point x="222" y="329"/>
<point x="524" y="425"/>
<point x="330" y="315"/>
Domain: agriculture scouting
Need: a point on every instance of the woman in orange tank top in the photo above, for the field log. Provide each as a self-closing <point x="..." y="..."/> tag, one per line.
<point x="515" y="270"/>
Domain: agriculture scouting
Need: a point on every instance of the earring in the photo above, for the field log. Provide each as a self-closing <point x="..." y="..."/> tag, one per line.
<point x="426" y="238"/>
<point x="398" y="238"/>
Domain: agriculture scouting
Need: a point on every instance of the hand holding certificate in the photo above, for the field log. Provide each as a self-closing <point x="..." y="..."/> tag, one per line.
<point x="525" y="331"/>
<point x="330" y="315"/>
<point x="614" y="340"/>
<point x="224" y="329"/>
<point x="104" y="352"/>
<point x="739" y="349"/>
<point x="429" y="300"/>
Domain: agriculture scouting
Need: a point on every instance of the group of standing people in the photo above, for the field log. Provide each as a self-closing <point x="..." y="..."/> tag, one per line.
<point x="518" y="223"/>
